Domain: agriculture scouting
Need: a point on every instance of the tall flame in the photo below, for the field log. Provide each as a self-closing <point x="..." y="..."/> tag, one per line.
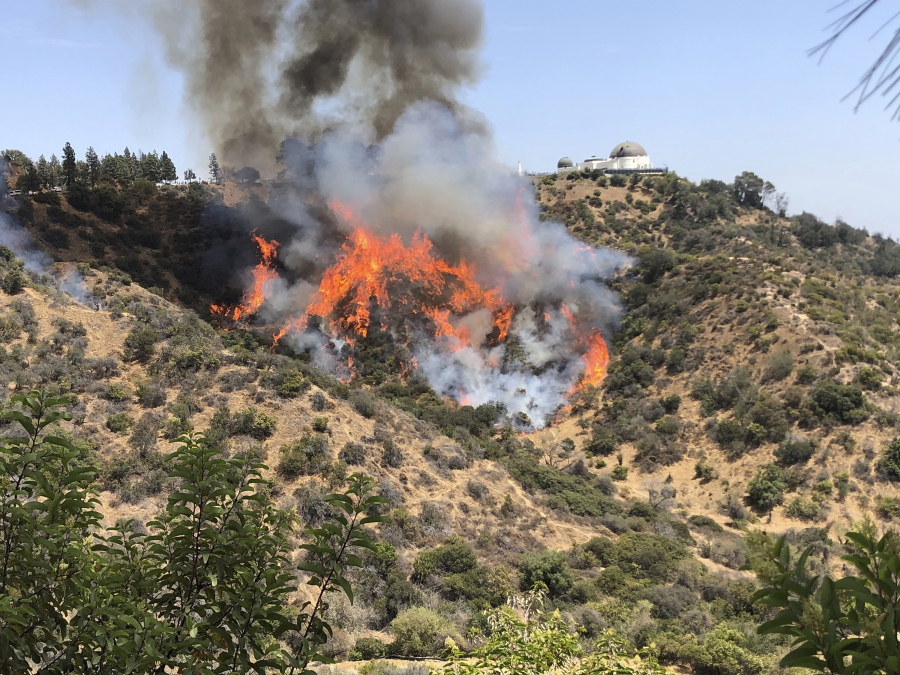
<point x="263" y="275"/>
<point x="372" y="267"/>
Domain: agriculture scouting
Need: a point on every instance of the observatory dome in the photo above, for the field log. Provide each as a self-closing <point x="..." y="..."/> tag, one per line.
<point x="627" y="149"/>
<point x="565" y="163"/>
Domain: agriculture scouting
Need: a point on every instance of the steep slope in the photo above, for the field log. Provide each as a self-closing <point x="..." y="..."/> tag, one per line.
<point x="744" y="329"/>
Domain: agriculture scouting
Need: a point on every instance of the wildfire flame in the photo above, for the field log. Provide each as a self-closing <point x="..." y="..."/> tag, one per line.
<point x="263" y="275"/>
<point x="412" y="284"/>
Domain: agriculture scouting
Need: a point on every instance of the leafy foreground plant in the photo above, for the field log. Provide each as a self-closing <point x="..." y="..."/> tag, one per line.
<point x="525" y="640"/>
<point x="848" y="625"/>
<point x="204" y="589"/>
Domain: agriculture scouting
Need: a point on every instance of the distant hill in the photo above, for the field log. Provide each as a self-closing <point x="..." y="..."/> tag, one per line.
<point x="754" y="385"/>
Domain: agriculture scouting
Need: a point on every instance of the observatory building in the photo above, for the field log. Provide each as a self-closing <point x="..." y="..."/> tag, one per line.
<point x="625" y="158"/>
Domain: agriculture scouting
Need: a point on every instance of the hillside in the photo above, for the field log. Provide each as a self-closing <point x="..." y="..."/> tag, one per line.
<point x="752" y="344"/>
<point x="761" y="326"/>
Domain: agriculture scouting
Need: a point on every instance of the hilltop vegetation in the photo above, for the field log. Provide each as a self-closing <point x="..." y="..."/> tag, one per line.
<point x="754" y="386"/>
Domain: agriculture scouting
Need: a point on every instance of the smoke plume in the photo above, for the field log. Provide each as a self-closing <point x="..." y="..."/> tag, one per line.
<point x="258" y="72"/>
<point x="355" y="104"/>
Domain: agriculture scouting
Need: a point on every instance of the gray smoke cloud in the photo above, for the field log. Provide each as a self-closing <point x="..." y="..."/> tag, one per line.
<point x="39" y="264"/>
<point x="359" y="101"/>
<point x="258" y="72"/>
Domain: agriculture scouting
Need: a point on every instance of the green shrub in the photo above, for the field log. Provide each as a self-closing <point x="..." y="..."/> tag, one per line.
<point x="320" y="425"/>
<point x="116" y="392"/>
<point x="806" y="375"/>
<point x="889" y="462"/>
<point x="253" y="423"/>
<point x="353" y="454"/>
<point x="653" y="556"/>
<point x="766" y="490"/>
<point x="151" y="394"/>
<point x="119" y="422"/>
<point x="671" y="403"/>
<point x="364" y="404"/>
<point x="619" y="473"/>
<point x="843" y="404"/>
<point x="292" y="384"/>
<point x="304" y="457"/>
<point x="612" y="581"/>
<point x="887" y="507"/>
<point x="795" y="450"/>
<point x="602" y="548"/>
<point x="454" y="557"/>
<point x="704" y="472"/>
<point x="603" y="442"/>
<point x="419" y="631"/>
<point x="870" y="378"/>
<point x="780" y="367"/>
<point x="368" y="649"/>
<point x="391" y="455"/>
<point x="140" y="344"/>
<point x="705" y="523"/>
<point x="551" y="569"/>
<point x="803" y="509"/>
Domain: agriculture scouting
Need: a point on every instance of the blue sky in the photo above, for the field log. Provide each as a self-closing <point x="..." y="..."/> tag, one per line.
<point x="710" y="87"/>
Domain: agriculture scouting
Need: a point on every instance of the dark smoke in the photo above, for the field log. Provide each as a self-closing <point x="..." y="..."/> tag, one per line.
<point x="260" y="71"/>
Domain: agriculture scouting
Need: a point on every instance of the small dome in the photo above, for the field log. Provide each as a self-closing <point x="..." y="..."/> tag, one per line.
<point x="627" y="149"/>
<point x="565" y="163"/>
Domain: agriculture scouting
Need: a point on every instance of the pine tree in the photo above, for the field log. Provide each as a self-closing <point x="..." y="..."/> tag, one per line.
<point x="189" y="175"/>
<point x="69" y="165"/>
<point x="55" y="173"/>
<point x="150" y="169"/>
<point x="43" y="171"/>
<point x="215" y="173"/>
<point x="167" y="168"/>
<point x="93" y="165"/>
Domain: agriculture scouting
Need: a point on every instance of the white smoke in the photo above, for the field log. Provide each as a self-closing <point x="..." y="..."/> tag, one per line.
<point x="16" y="238"/>
<point x="433" y="175"/>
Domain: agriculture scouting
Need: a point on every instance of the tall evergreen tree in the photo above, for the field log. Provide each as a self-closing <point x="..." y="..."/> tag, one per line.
<point x="55" y="174"/>
<point x="215" y="173"/>
<point x="93" y="165"/>
<point x="69" y="165"/>
<point x="189" y="175"/>
<point x="150" y="169"/>
<point x="167" y="168"/>
<point x="43" y="171"/>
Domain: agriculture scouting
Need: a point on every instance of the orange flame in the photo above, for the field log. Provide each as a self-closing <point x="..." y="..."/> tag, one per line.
<point x="263" y="274"/>
<point x="596" y="361"/>
<point x="370" y="268"/>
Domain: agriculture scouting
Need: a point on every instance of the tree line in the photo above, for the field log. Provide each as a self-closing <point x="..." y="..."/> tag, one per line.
<point x="124" y="168"/>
